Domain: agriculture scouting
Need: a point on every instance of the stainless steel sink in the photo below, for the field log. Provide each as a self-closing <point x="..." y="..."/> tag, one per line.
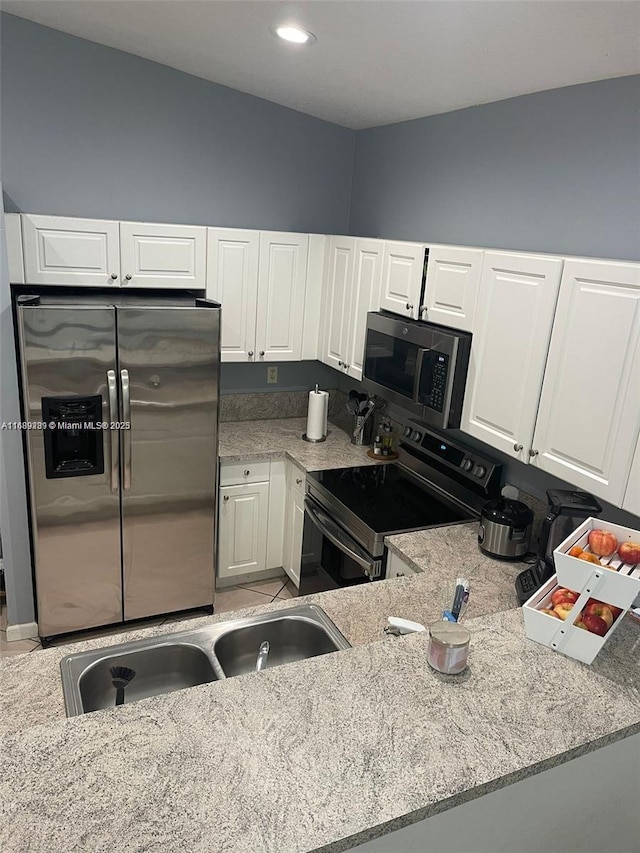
<point x="171" y="662"/>
<point x="290" y="639"/>
<point x="159" y="669"/>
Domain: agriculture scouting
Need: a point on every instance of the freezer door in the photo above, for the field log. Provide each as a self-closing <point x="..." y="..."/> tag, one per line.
<point x="68" y="357"/>
<point x="168" y="375"/>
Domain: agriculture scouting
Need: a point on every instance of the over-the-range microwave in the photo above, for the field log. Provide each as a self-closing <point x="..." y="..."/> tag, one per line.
<point x="420" y="367"/>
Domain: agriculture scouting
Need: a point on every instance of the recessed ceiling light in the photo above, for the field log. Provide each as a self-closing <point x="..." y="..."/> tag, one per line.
<point x="292" y="33"/>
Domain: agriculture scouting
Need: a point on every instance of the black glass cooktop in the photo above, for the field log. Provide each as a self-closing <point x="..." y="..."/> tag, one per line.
<point x="387" y="498"/>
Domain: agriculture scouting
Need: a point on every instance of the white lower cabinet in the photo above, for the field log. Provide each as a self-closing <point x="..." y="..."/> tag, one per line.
<point x="251" y="518"/>
<point x="294" y="523"/>
<point x="397" y="568"/>
<point x="589" y="415"/>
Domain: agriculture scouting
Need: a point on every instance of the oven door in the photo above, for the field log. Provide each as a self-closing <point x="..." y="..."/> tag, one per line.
<point x="339" y="560"/>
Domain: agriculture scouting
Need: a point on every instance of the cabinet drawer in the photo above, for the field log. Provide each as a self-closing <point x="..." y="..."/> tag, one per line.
<point x="235" y="473"/>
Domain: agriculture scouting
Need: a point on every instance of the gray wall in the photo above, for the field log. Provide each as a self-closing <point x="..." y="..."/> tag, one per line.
<point x="557" y="171"/>
<point x="91" y="131"/>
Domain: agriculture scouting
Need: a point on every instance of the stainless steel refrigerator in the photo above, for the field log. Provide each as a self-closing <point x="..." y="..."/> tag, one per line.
<point x="123" y="512"/>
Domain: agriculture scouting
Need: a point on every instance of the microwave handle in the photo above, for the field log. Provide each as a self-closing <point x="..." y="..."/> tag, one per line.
<point x="341" y="540"/>
<point x="422" y="351"/>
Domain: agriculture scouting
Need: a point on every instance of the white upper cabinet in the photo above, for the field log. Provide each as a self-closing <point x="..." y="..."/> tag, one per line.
<point x="631" y="500"/>
<point x="232" y="280"/>
<point x="512" y="328"/>
<point x="316" y="265"/>
<point x="339" y="284"/>
<point x="367" y="277"/>
<point x="282" y="276"/>
<point x="260" y="278"/>
<point x="402" y="272"/>
<point x="589" y="414"/>
<point x="354" y="274"/>
<point x="60" y="250"/>
<point x="96" y="253"/>
<point x="451" y="292"/>
<point x="170" y="256"/>
<point x="15" y="258"/>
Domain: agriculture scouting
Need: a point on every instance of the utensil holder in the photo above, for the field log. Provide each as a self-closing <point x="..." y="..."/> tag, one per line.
<point x="362" y="433"/>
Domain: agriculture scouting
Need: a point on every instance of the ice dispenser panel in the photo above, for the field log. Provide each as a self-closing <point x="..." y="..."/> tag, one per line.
<point x="73" y="441"/>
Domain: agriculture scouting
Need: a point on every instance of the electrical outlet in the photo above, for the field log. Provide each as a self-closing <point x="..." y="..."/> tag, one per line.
<point x="272" y="375"/>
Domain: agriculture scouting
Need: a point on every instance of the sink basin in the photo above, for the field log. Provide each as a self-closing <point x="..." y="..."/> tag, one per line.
<point x="172" y="662"/>
<point x="289" y="639"/>
<point x="158" y="669"/>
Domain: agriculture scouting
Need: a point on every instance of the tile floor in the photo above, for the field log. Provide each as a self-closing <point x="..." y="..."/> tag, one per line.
<point x="233" y="598"/>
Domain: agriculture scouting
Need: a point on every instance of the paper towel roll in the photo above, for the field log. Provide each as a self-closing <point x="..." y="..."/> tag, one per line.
<point x="317" y="415"/>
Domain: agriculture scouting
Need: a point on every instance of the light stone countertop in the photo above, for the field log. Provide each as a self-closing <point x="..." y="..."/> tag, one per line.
<point x="234" y="765"/>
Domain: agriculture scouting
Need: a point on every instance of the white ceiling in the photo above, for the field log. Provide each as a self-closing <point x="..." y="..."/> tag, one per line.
<point x="374" y="62"/>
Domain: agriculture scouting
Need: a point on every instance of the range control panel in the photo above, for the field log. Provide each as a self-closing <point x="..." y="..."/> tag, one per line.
<point x="452" y="453"/>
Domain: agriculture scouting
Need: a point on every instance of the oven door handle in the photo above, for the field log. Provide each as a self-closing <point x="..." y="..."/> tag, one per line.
<point x="341" y="540"/>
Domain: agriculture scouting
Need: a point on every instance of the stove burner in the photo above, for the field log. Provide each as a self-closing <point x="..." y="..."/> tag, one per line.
<point x="389" y="499"/>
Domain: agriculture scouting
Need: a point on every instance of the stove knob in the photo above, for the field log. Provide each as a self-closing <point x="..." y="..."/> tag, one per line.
<point x="417" y="436"/>
<point x="407" y="432"/>
<point x="466" y="464"/>
<point x="479" y="471"/>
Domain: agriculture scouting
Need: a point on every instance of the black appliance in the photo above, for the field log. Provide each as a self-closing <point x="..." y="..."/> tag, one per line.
<point x="420" y="367"/>
<point x="567" y="510"/>
<point x="505" y="529"/>
<point x="349" y="511"/>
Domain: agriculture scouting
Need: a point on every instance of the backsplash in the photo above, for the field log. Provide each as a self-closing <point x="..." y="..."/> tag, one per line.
<point x="279" y="404"/>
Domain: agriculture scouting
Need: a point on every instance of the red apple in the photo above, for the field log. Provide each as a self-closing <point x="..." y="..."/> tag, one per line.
<point x="629" y="552"/>
<point x="599" y="608"/>
<point x="564" y="609"/>
<point x="580" y="624"/>
<point x="603" y="543"/>
<point x="549" y="612"/>
<point x="561" y="595"/>
<point x="595" y="624"/>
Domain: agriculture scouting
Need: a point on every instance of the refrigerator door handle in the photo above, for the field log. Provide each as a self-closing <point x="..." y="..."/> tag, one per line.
<point x="126" y="432"/>
<point x="113" y="433"/>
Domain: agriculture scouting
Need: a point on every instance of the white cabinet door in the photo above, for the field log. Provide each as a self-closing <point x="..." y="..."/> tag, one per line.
<point x="337" y="304"/>
<point x="451" y="291"/>
<point x="59" y="250"/>
<point x="232" y="280"/>
<point x="282" y="274"/>
<point x="632" y="494"/>
<point x="313" y="297"/>
<point x="397" y="568"/>
<point x="15" y="258"/>
<point x="589" y="414"/>
<point x="402" y="271"/>
<point x="170" y="256"/>
<point x="516" y="303"/>
<point x="242" y="531"/>
<point x="367" y="277"/>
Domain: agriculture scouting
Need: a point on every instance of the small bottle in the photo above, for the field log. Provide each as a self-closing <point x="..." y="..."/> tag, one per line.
<point x="448" y="647"/>
<point x="387" y="439"/>
<point x="377" y="445"/>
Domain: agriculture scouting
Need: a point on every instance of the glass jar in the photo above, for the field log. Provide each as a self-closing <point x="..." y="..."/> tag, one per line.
<point x="448" y="647"/>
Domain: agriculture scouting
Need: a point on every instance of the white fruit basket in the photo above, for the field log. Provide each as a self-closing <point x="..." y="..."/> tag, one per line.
<point x="612" y="582"/>
<point x="564" y="636"/>
<point x="616" y="582"/>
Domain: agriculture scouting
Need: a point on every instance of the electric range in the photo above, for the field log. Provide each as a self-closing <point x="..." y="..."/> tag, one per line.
<point x="436" y="481"/>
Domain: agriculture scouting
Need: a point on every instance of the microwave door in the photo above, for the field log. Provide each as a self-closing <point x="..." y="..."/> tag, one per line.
<point x="68" y="359"/>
